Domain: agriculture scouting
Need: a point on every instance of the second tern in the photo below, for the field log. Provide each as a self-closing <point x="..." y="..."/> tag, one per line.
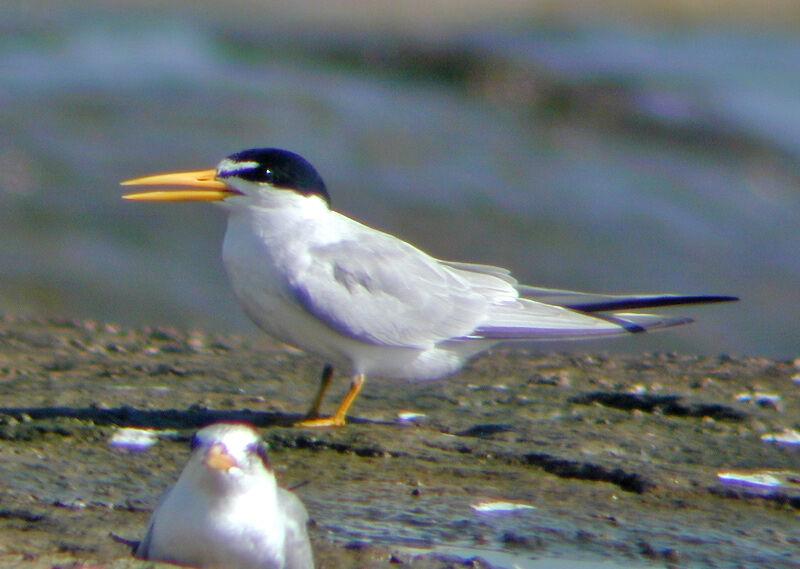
<point x="226" y="511"/>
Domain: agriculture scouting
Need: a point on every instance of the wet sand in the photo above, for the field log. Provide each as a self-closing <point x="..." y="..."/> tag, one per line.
<point x="620" y="455"/>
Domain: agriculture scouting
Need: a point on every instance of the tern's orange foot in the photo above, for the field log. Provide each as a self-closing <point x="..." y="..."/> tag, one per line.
<point x="321" y="422"/>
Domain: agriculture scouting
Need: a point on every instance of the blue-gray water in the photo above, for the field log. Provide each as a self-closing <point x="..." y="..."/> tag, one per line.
<point x="594" y="157"/>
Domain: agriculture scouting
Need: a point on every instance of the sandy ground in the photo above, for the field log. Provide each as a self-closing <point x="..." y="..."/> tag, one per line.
<point x="620" y="455"/>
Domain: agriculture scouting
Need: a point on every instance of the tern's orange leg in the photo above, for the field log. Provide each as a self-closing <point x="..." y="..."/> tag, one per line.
<point x="338" y="418"/>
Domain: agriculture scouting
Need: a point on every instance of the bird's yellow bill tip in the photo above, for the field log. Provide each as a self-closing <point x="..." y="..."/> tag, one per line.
<point x="180" y="195"/>
<point x="206" y="187"/>
<point x="217" y="458"/>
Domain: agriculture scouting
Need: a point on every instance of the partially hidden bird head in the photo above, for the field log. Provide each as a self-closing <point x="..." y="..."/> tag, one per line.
<point x="254" y="174"/>
<point x="229" y="456"/>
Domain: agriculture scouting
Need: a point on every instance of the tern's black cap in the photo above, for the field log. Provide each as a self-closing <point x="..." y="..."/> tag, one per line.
<point x="280" y="168"/>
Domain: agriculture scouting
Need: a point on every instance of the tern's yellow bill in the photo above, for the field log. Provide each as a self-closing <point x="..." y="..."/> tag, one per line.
<point x="207" y="187"/>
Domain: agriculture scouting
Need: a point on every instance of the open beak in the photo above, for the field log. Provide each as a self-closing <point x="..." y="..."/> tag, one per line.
<point x="206" y="187"/>
<point x="217" y="458"/>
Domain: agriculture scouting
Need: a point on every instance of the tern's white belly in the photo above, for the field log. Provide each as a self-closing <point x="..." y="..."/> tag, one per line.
<point x="241" y="532"/>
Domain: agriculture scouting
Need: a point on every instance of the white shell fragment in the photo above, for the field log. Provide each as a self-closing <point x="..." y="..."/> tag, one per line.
<point x="759" y="397"/>
<point x="494" y="506"/>
<point x="764" y="479"/>
<point x="136" y="440"/>
<point x="410" y="415"/>
<point x="787" y="436"/>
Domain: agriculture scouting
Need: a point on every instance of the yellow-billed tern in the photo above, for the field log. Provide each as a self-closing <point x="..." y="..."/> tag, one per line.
<point x="226" y="510"/>
<point x="367" y="300"/>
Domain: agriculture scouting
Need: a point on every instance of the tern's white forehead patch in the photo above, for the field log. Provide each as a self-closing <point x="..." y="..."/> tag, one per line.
<point x="234" y="437"/>
<point x="240" y="439"/>
<point x="228" y="166"/>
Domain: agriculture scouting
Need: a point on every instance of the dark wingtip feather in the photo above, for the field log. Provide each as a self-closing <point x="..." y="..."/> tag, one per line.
<point x="632" y="303"/>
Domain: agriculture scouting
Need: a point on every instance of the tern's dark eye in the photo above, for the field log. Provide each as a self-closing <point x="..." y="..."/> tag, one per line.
<point x="260" y="449"/>
<point x="195" y="442"/>
<point x="257" y="174"/>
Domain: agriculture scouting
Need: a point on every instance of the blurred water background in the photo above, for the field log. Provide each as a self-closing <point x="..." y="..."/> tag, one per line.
<point x="622" y="148"/>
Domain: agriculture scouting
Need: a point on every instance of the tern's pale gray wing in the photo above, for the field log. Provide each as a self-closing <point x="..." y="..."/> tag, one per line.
<point x="536" y="314"/>
<point x="541" y="316"/>
<point x="546" y="313"/>
<point x="298" y="547"/>
<point x="490" y="270"/>
<point x="381" y="290"/>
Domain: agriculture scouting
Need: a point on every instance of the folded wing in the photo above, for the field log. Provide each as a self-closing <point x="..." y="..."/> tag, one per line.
<point x="390" y="293"/>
